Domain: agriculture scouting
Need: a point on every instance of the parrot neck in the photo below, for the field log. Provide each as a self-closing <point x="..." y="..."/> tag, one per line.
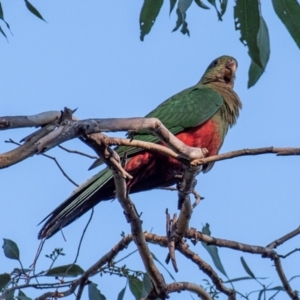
<point x="232" y="103"/>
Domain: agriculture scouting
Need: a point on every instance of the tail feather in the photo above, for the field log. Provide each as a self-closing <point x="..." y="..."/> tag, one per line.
<point x="83" y="199"/>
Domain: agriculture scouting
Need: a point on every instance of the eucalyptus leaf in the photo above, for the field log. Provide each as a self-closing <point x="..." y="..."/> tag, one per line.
<point x="246" y="268"/>
<point x="148" y="15"/>
<point x="172" y="5"/>
<point x="94" y="293"/>
<point x="181" y="10"/>
<point x="136" y="287"/>
<point x="33" y="10"/>
<point x="122" y="293"/>
<point x="288" y="12"/>
<point x="156" y="259"/>
<point x="11" y="249"/>
<point x="201" y="4"/>
<point x="4" y="280"/>
<point x="147" y="285"/>
<point x="22" y="296"/>
<point x="213" y="251"/>
<point x="247" y="21"/>
<point x="72" y="270"/>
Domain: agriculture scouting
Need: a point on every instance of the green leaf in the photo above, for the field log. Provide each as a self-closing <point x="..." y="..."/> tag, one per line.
<point x="181" y="10"/>
<point x="122" y="293"/>
<point x="149" y="12"/>
<point x="172" y="5"/>
<point x="201" y="4"/>
<point x="11" y="249"/>
<point x="292" y="278"/>
<point x="242" y="278"/>
<point x="246" y="267"/>
<point x="263" y="43"/>
<point x="147" y="285"/>
<point x="254" y="74"/>
<point x="126" y="256"/>
<point x="3" y="33"/>
<point x="33" y="10"/>
<point x="247" y="21"/>
<point x="65" y="271"/>
<point x="10" y="295"/>
<point x="94" y="293"/>
<point x="2" y="16"/>
<point x="4" y="280"/>
<point x="156" y="259"/>
<point x="213" y="251"/>
<point x="223" y="4"/>
<point x="136" y="287"/>
<point x="1" y="12"/>
<point x="288" y="12"/>
<point x="22" y="296"/>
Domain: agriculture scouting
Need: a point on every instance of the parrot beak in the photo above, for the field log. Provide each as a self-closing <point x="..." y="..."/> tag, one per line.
<point x="230" y="69"/>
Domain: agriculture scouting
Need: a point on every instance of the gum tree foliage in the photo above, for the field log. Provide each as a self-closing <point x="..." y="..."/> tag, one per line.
<point x="247" y="18"/>
<point x="249" y="21"/>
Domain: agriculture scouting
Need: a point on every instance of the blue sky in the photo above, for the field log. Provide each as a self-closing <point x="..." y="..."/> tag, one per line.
<point x="89" y="56"/>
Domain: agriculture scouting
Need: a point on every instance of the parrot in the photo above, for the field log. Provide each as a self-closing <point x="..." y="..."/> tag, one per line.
<point x="199" y="116"/>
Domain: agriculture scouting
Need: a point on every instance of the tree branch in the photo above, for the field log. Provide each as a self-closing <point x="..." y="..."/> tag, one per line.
<point x="29" y="121"/>
<point x="138" y="236"/>
<point x="280" y="151"/>
<point x="183" y="248"/>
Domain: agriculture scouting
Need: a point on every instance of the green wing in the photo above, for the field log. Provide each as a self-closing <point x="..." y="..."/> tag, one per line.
<point x="189" y="108"/>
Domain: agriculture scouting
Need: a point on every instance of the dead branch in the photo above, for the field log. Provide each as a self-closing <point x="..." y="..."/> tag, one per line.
<point x="77" y="152"/>
<point x="26" y="150"/>
<point x="138" y="237"/>
<point x="75" y="129"/>
<point x="176" y="228"/>
<point x="196" y="236"/>
<point x="280" y="151"/>
<point x="183" y="248"/>
<point x="110" y="157"/>
<point x="55" y="160"/>
<point x="293" y="294"/>
<point x="283" y="239"/>
<point x="188" y="286"/>
<point x="29" y="121"/>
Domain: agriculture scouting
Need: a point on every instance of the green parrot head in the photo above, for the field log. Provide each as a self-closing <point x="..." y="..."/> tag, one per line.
<point x="222" y="69"/>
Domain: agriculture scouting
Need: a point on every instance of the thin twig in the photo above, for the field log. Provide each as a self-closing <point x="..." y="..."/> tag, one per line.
<point x="81" y="239"/>
<point x="283" y="239"/>
<point x="51" y="157"/>
<point x="183" y="248"/>
<point x="78" y="152"/>
<point x="289" y="253"/>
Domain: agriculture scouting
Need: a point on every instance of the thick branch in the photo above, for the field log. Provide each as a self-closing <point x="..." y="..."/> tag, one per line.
<point x="77" y="128"/>
<point x="29" y="121"/>
<point x="138" y="236"/>
<point x="26" y="150"/>
<point x="183" y="248"/>
<point x="188" y="286"/>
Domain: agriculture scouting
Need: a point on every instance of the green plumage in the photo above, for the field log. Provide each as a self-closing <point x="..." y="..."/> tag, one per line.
<point x="211" y="99"/>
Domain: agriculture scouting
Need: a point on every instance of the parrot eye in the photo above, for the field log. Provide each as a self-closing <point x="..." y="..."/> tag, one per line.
<point x="215" y="62"/>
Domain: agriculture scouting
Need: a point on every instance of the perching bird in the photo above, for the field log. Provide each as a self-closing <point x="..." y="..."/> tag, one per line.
<point x="199" y="116"/>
